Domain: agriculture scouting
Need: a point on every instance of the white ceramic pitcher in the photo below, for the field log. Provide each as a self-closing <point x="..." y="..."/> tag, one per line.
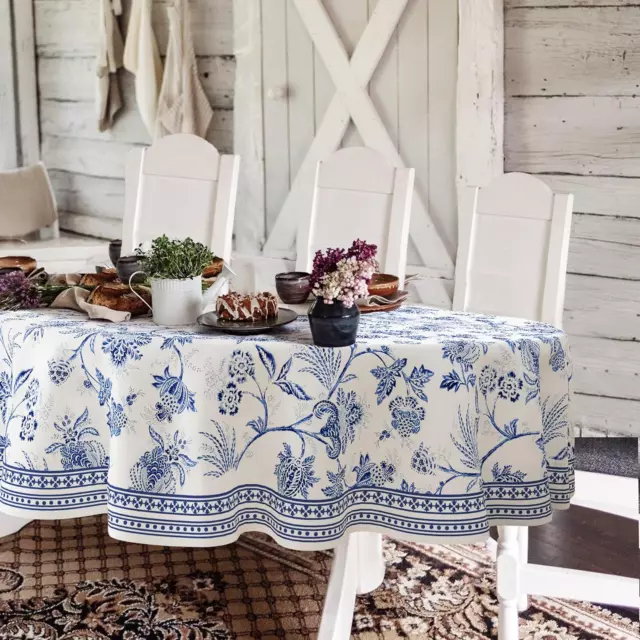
<point x="179" y="302"/>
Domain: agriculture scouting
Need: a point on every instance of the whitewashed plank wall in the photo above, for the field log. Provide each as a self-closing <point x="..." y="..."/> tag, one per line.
<point x="572" y="116"/>
<point x="87" y="167"/>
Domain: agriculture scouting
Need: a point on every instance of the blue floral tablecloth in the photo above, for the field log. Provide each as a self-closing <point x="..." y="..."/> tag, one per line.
<point x="434" y="426"/>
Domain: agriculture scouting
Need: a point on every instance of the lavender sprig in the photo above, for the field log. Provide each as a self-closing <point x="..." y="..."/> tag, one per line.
<point x="18" y="292"/>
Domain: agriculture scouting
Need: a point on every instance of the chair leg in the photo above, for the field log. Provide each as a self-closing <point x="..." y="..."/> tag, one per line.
<point x="508" y="567"/>
<point x="11" y="524"/>
<point x="523" y="551"/>
<point x="358" y="567"/>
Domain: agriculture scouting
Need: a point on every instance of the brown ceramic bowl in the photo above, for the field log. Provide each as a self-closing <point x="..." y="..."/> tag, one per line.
<point x="383" y="284"/>
<point x="293" y="287"/>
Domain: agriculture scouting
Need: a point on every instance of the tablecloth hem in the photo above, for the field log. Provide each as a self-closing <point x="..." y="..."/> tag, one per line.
<point x="289" y="544"/>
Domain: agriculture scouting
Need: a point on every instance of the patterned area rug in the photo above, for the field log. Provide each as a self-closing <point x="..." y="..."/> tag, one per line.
<point x="70" y="581"/>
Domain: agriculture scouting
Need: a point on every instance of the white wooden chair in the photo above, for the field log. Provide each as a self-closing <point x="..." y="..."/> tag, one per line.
<point x="28" y="206"/>
<point x="512" y="260"/>
<point x="358" y="194"/>
<point x="182" y="187"/>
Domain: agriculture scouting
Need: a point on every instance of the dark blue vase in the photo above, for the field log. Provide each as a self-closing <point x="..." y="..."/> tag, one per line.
<point x="333" y="325"/>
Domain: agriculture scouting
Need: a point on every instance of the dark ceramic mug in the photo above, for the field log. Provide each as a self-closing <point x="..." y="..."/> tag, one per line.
<point x="293" y="287"/>
<point x="115" y="249"/>
<point x="126" y="267"/>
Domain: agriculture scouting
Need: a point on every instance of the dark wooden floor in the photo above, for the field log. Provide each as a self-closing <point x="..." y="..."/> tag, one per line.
<point x="588" y="540"/>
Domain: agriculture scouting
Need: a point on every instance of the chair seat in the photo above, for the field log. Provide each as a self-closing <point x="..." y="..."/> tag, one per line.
<point x="610" y="456"/>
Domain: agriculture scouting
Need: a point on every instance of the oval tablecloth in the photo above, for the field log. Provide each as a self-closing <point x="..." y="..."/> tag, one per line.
<point x="434" y="426"/>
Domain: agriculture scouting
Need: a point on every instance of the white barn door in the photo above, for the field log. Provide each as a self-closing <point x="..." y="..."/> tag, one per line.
<point x="376" y="72"/>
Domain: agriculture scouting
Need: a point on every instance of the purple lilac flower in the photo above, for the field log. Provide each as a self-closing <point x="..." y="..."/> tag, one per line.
<point x="344" y="275"/>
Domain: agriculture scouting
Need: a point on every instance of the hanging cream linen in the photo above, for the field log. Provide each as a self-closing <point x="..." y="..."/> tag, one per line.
<point x="183" y="106"/>
<point x="141" y="57"/>
<point x="108" y="94"/>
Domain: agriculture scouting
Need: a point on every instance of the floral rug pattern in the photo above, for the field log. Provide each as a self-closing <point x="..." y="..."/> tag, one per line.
<point x="69" y="580"/>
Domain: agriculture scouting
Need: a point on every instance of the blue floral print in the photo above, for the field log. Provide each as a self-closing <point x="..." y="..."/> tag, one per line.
<point x="407" y="416"/>
<point x="116" y="418"/>
<point x="59" y="371"/>
<point x="295" y="474"/>
<point x="122" y="347"/>
<point x="75" y="449"/>
<point x="422" y="461"/>
<point x="343" y="417"/>
<point x="241" y="367"/>
<point x="509" y="387"/>
<point x="157" y="469"/>
<point x="5" y="394"/>
<point x="229" y="399"/>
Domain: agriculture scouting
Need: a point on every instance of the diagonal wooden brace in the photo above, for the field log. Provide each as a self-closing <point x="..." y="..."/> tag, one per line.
<point x="353" y="102"/>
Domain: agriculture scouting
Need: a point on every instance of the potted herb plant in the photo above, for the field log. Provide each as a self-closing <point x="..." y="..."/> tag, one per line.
<point x="338" y="279"/>
<point x="175" y="269"/>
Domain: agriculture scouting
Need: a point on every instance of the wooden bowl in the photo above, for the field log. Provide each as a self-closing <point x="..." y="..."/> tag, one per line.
<point x="214" y="268"/>
<point x="293" y="287"/>
<point x="383" y="284"/>
<point x="21" y="262"/>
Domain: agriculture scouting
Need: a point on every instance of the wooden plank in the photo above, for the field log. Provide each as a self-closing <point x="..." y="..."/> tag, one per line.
<point x="90" y="226"/>
<point x="102" y="158"/>
<point x="212" y="25"/>
<point x="554" y="4"/>
<point x="602" y="307"/>
<point x="611" y="414"/>
<point x="480" y="99"/>
<point x="276" y="107"/>
<point x="614" y="229"/>
<point x="443" y="62"/>
<point x="606" y="367"/>
<point x="78" y="120"/>
<point x="248" y="134"/>
<point x="600" y="195"/>
<point x="383" y="87"/>
<point x="413" y="103"/>
<point x="605" y="246"/>
<point x="88" y="195"/>
<point x="301" y="89"/>
<point x="26" y="77"/>
<point x="573" y="52"/>
<point x="577" y="135"/>
<point x="8" y="117"/>
<point x="64" y="78"/>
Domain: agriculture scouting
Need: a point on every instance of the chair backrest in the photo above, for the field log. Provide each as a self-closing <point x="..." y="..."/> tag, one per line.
<point x="27" y="201"/>
<point x="358" y="194"/>
<point x="182" y="187"/>
<point x="513" y="248"/>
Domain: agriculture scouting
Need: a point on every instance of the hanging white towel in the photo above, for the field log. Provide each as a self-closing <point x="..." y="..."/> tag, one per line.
<point x="110" y="47"/>
<point x="183" y="106"/>
<point x="141" y="57"/>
